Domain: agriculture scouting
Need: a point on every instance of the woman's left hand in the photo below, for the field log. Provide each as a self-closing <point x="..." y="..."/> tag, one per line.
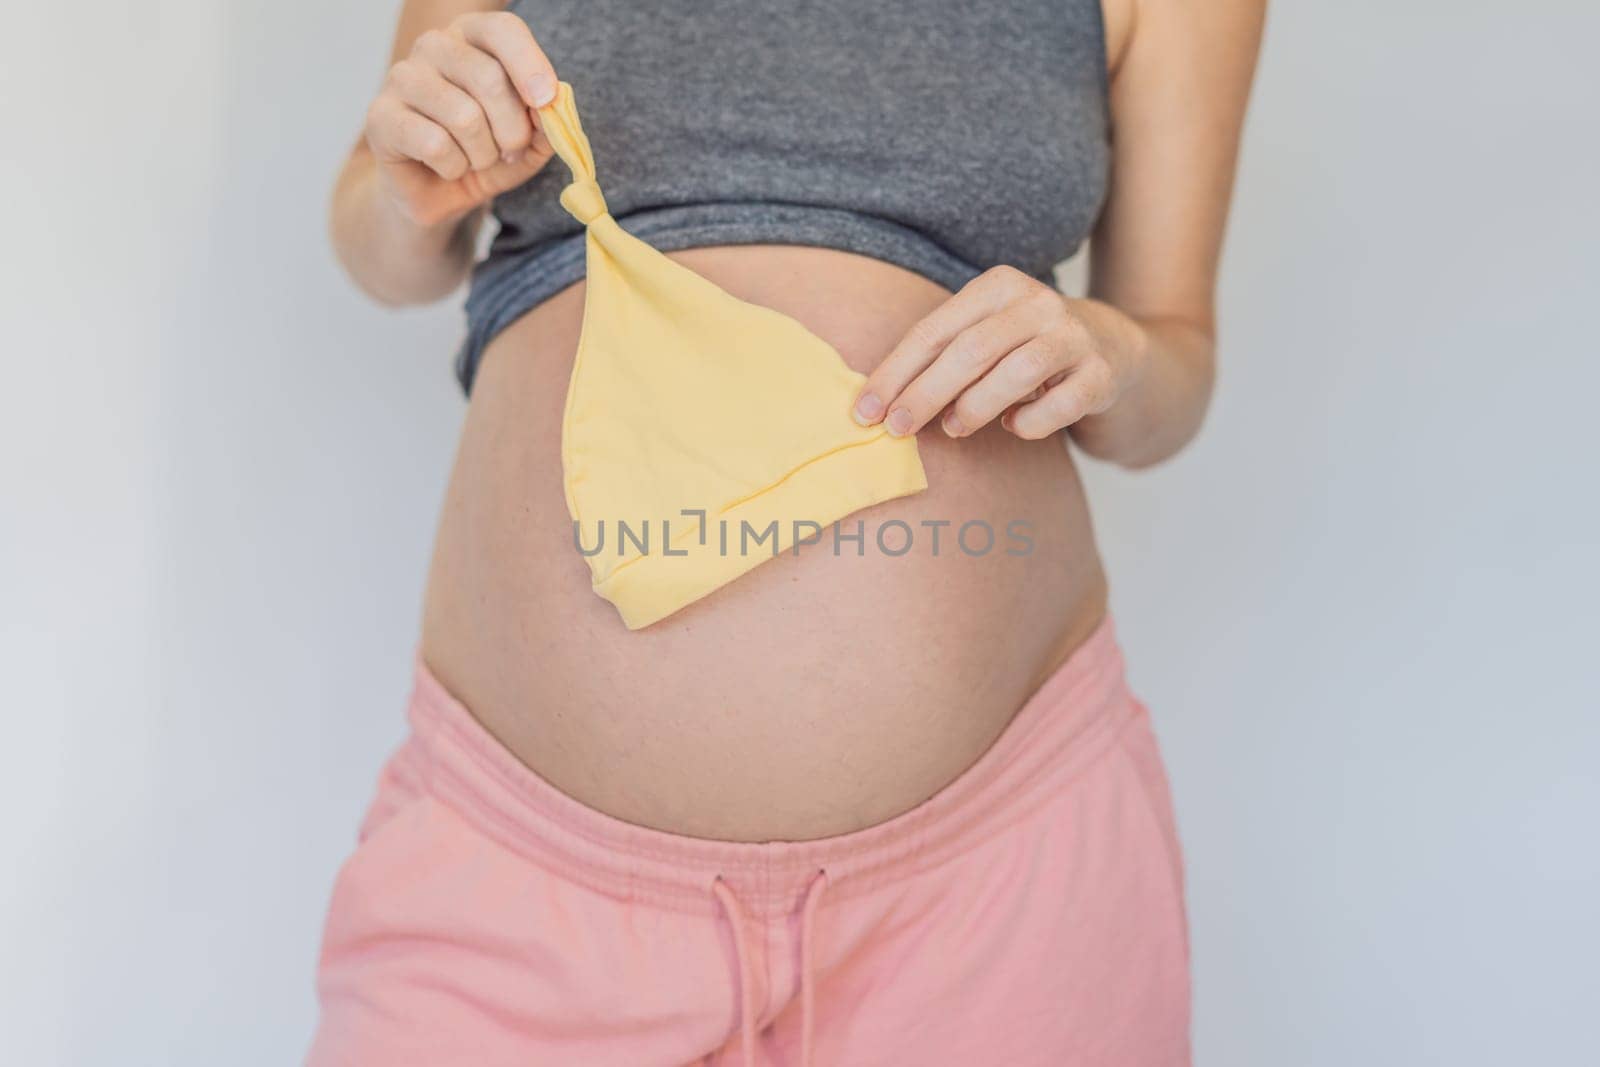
<point x="1009" y="347"/>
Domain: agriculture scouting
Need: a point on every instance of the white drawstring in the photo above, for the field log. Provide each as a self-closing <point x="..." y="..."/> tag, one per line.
<point x="808" y="991"/>
<point x="741" y="947"/>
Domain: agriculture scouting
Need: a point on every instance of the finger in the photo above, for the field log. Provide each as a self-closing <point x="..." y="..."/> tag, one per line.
<point x="481" y="76"/>
<point x="1087" y="391"/>
<point x="506" y="37"/>
<point x="965" y="360"/>
<point x="397" y="133"/>
<point x="977" y="300"/>
<point x="1020" y="378"/>
<point x="425" y="90"/>
<point x="507" y="175"/>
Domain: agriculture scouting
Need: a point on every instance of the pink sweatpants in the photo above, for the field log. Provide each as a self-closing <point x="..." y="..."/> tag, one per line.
<point x="1030" y="913"/>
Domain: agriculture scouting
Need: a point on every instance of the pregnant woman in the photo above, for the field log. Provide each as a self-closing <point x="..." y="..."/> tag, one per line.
<point x="883" y="798"/>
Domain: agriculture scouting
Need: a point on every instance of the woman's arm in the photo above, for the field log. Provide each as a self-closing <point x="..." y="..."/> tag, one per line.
<point x="1129" y="369"/>
<point x="1177" y="105"/>
<point x="452" y="128"/>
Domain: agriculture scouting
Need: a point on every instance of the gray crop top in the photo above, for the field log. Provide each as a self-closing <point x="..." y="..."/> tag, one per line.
<point x="943" y="136"/>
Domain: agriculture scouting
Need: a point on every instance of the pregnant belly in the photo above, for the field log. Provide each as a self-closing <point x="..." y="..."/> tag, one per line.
<point x="817" y="694"/>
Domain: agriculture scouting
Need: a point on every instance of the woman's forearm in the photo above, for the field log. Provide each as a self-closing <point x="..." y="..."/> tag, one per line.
<point x="1168" y="366"/>
<point x="393" y="258"/>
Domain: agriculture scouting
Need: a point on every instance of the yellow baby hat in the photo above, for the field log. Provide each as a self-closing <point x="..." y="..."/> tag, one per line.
<point x="702" y="434"/>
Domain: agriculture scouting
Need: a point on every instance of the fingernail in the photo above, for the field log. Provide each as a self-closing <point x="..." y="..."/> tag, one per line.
<point x="511" y="157"/>
<point x="899" y="422"/>
<point x="1006" y="421"/>
<point x="541" y="89"/>
<point x="868" y="409"/>
<point x="953" y="427"/>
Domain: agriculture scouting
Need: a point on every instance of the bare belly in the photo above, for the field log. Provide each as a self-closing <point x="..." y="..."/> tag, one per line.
<point x="817" y="694"/>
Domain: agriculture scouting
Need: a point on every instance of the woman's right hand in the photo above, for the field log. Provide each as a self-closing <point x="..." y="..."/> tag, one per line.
<point x="454" y="126"/>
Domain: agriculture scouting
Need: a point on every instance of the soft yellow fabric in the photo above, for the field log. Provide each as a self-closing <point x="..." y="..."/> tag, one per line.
<point x="684" y="398"/>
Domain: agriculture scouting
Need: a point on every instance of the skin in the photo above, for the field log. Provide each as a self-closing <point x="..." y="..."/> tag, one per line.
<point x="668" y="733"/>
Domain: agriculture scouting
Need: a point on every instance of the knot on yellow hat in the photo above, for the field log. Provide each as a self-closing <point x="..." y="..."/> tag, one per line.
<point x="584" y="200"/>
<point x="559" y="121"/>
<point x="702" y="434"/>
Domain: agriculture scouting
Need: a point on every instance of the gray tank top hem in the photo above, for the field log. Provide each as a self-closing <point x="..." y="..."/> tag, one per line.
<point x="505" y="289"/>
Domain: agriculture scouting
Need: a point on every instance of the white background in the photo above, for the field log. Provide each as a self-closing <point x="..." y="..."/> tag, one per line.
<point x="1362" y="605"/>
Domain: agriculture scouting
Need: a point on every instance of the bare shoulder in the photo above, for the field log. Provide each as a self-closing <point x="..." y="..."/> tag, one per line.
<point x="1231" y="27"/>
<point x="1117" y="17"/>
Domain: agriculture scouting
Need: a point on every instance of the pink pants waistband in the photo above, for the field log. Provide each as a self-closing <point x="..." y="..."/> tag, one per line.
<point x="1068" y="721"/>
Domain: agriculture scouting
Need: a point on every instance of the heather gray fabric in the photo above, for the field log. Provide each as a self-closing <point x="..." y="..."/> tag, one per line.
<point x="944" y="136"/>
